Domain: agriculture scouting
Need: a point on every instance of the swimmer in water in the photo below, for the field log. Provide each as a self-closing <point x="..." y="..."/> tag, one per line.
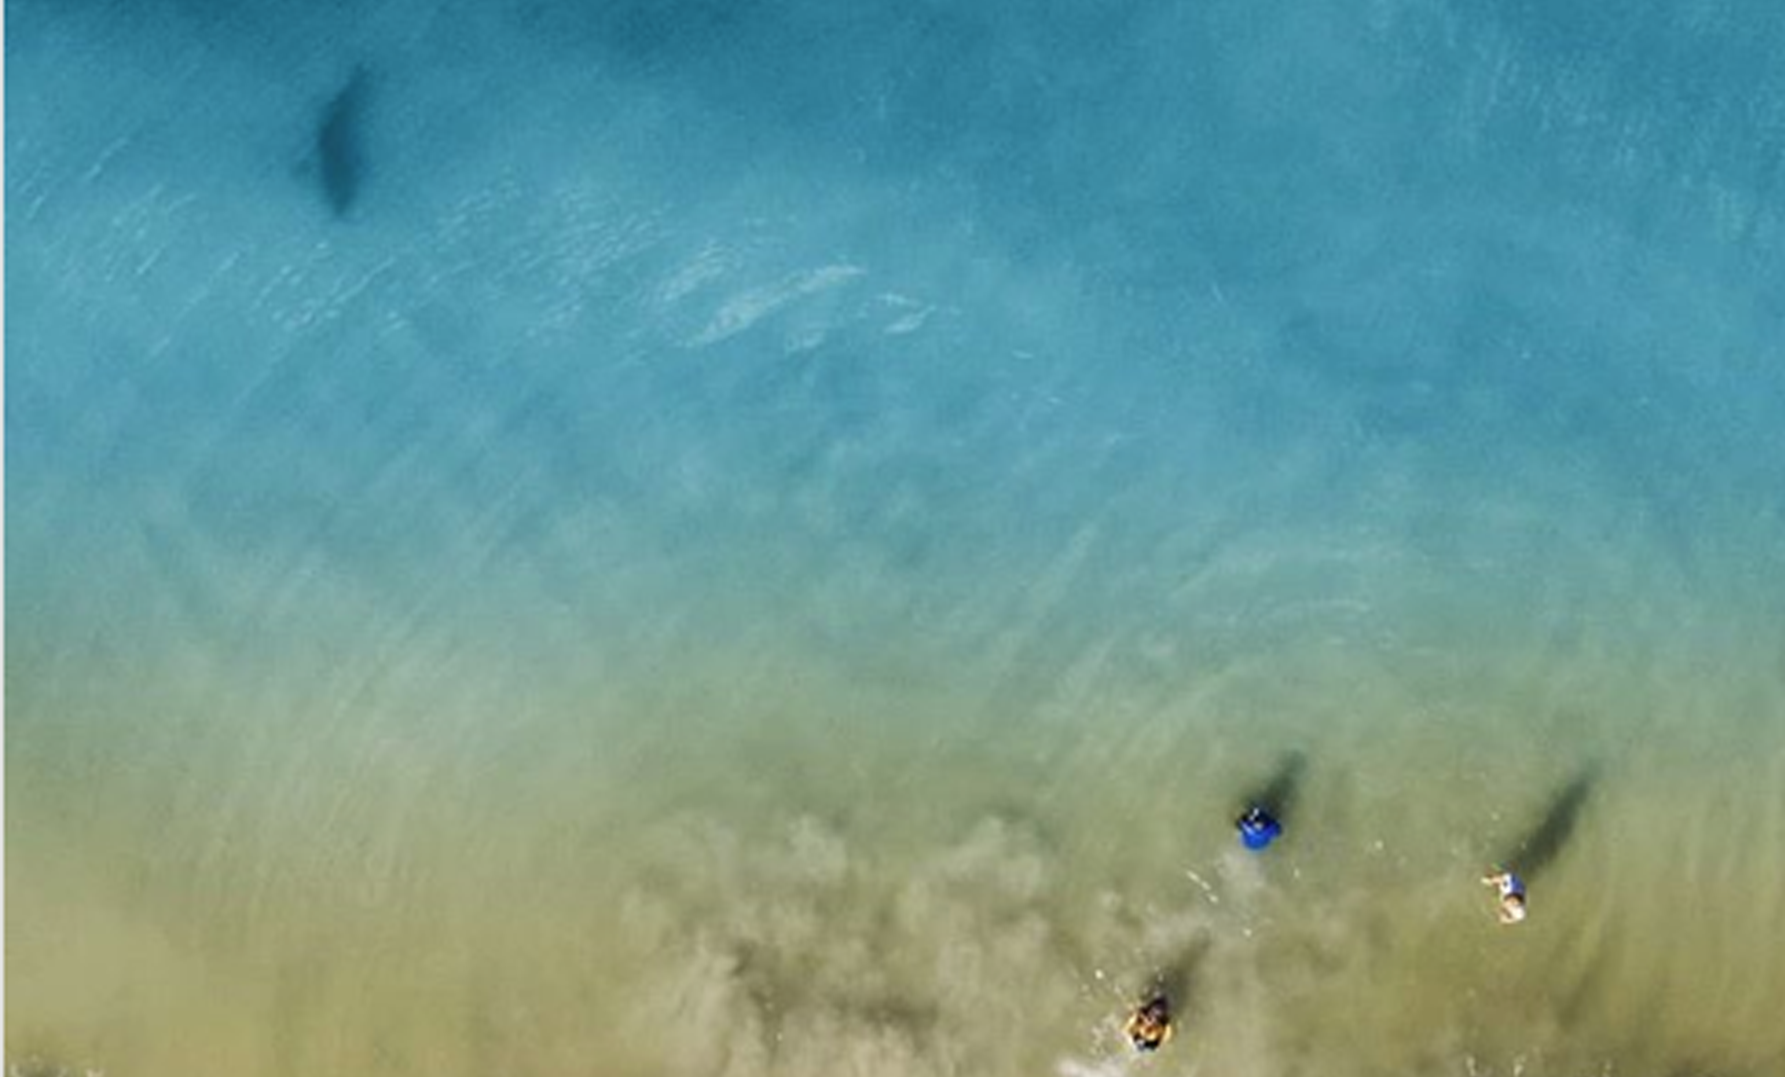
<point x="1258" y="828"/>
<point x="1149" y="1026"/>
<point x="1512" y="895"/>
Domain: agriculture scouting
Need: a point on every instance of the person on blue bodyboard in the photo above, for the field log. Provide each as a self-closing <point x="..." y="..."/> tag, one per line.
<point x="1258" y="828"/>
<point x="1511" y="889"/>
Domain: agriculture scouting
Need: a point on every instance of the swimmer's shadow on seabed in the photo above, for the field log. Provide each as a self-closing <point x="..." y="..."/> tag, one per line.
<point x="1176" y="978"/>
<point x="1544" y="842"/>
<point x="1278" y="795"/>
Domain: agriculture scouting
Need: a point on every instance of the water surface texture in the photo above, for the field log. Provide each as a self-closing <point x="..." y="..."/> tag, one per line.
<point x="776" y="537"/>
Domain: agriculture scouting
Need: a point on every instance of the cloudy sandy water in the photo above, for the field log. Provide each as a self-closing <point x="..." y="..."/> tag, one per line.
<point x="610" y="608"/>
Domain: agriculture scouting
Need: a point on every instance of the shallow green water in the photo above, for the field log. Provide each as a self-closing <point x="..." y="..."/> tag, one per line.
<point x="763" y="857"/>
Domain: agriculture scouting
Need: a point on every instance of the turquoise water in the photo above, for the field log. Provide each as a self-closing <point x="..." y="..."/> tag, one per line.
<point x="774" y="539"/>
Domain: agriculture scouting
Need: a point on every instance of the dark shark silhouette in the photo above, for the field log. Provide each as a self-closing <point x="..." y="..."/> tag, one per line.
<point x="340" y="153"/>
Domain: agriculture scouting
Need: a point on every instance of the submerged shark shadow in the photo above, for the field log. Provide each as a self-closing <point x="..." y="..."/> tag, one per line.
<point x="339" y="148"/>
<point x="1544" y="842"/>
<point x="1278" y="795"/>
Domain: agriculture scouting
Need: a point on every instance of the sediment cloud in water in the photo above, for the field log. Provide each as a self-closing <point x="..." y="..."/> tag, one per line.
<point x="807" y="955"/>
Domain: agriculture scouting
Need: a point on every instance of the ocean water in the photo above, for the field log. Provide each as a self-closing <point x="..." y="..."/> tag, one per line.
<point x="775" y="537"/>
